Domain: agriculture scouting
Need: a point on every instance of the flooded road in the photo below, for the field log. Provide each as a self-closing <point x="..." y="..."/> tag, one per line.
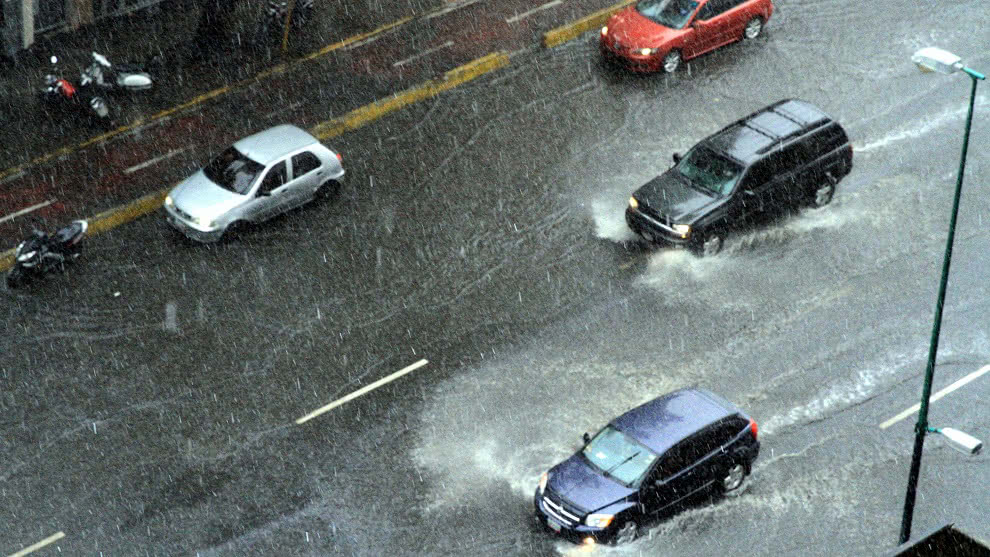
<point x="150" y="396"/>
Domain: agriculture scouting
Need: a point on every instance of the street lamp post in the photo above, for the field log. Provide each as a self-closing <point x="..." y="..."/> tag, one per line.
<point x="928" y="60"/>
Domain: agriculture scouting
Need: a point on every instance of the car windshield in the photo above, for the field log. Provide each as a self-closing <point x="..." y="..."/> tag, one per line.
<point x="233" y="171"/>
<point x="618" y="456"/>
<point x="670" y="13"/>
<point x="709" y="170"/>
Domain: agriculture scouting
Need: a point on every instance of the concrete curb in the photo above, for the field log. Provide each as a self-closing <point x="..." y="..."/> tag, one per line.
<point x="564" y="33"/>
<point x="369" y="113"/>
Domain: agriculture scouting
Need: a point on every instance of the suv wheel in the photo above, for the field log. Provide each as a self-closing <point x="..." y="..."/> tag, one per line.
<point x="823" y="195"/>
<point x="711" y="245"/>
<point x="734" y="478"/>
<point x="672" y="61"/>
<point x="627" y="532"/>
<point x="753" y="28"/>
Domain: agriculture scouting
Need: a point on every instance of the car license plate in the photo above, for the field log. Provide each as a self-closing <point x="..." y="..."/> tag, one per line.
<point x="554" y="525"/>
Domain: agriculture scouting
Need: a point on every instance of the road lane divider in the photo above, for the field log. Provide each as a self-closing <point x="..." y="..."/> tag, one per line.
<point x="524" y="15"/>
<point x="35" y="547"/>
<point x="156" y="160"/>
<point x="914" y="409"/>
<point x="27" y="210"/>
<point x="573" y="30"/>
<point x="363" y="390"/>
<point x="371" y="112"/>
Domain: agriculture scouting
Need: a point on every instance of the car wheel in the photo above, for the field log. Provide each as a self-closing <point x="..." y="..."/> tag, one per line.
<point x="672" y="61"/>
<point x="711" y="245"/>
<point x="627" y="532"/>
<point x="753" y="28"/>
<point x="733" y="479"/>
<point x="822" y="196"/>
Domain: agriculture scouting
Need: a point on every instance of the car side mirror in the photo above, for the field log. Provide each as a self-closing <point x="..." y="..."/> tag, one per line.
<point x="677" y="158"/>
<point x="586" y="438"/>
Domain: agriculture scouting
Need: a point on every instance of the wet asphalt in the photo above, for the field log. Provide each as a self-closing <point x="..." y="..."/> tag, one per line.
<point x="150" y="394"/>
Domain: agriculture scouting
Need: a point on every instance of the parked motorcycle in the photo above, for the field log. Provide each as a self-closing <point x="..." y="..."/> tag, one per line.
<point x="120" y="77"/>
<point x="40" y="253"/>
<point x="61" y="94"/>
<point x="272" y="22"/>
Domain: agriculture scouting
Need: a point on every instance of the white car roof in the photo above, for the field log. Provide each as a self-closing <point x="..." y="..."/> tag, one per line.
<point x="273" y="143"/>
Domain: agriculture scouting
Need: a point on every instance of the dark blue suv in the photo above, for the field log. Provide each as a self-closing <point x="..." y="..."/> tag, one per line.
<point x="644" y="462"/>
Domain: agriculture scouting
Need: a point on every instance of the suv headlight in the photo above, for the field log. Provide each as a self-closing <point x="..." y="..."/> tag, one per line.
<point x="647" y="51"/>
<point x="168" y="201"/>
<point x="599" y="520"/>
<point x="543" y="481"/>
<point x="683" y="229"/>
<point x="633" y="203"/>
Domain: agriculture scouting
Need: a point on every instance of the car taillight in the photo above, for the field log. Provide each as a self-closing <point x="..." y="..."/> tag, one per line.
<point x="340" y="158"/>
<point x="753" y="428"/>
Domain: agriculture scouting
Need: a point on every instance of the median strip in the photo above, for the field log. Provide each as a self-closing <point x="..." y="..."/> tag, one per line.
<point x="574" y="29"/>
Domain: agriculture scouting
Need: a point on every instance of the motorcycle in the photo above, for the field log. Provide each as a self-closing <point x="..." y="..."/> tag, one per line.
<point x="272" y="21"/>
<point x="103" y="75"/>
<point x="40" y="253"/>
<point x="60" y="93"/>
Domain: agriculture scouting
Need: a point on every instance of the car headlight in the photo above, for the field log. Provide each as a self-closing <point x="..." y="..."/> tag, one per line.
<point x="647" y="51"/>
<point x="683" y="229"/>
<point x="543" y="481"/>
<point x="633" y="203"/>
<point x="605" y="30"/>
<point x="26" y="256"/>
<point x="599" y="520"/>
<point x="168" y="201"/>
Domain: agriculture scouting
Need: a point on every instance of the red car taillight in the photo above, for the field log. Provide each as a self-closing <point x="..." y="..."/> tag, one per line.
<point x="753" y="428"/>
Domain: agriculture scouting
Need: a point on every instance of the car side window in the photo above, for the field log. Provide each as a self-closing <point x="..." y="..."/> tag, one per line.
<point x="714" y="8"/>
<point x="681" y="456"/>
<point x="276" y="177"/>
<point x="304" y="163"/>
<point x="758" y="174"/>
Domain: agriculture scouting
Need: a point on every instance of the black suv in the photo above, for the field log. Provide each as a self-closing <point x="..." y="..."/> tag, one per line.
<point x="789" y="154"/>
<point x="647" y="461"/>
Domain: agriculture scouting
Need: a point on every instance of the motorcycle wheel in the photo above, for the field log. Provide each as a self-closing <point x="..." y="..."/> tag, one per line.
<point x="16" y="277"/>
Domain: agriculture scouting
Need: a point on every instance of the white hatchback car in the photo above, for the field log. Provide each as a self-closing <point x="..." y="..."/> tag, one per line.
<point x="260" y="176"/>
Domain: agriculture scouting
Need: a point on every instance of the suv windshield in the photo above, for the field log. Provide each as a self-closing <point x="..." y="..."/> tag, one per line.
<point x="233" y="171"/>
<point x="710" y="171"/>
<point x="670" y="13"/>
<point x="618" y="456"/>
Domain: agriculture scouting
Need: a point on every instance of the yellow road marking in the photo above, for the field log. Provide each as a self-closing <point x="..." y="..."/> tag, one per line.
<point x="361" y="391"/>
<point x="574" y="29"/>
<point x="368" y="113"/>
<point x="35" y="547"/>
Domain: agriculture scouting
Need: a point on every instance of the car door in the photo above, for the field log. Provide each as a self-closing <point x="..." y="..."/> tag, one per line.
<point x="674" y="477"/>
<point x="712" y="26"/>
<point x="270" y="198"/>
<point x="307" y="174"/>
<point x="752" y="193"/>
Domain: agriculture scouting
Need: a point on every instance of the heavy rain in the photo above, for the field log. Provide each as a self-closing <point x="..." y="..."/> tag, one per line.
<point x="390" y="368"/>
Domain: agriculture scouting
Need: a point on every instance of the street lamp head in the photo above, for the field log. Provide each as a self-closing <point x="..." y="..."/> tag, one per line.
<point x="961" y="441"/>
<point x="933" y="59"/>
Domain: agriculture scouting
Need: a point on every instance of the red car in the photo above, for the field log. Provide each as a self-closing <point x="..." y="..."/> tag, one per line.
<point x="658" y="34"/>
